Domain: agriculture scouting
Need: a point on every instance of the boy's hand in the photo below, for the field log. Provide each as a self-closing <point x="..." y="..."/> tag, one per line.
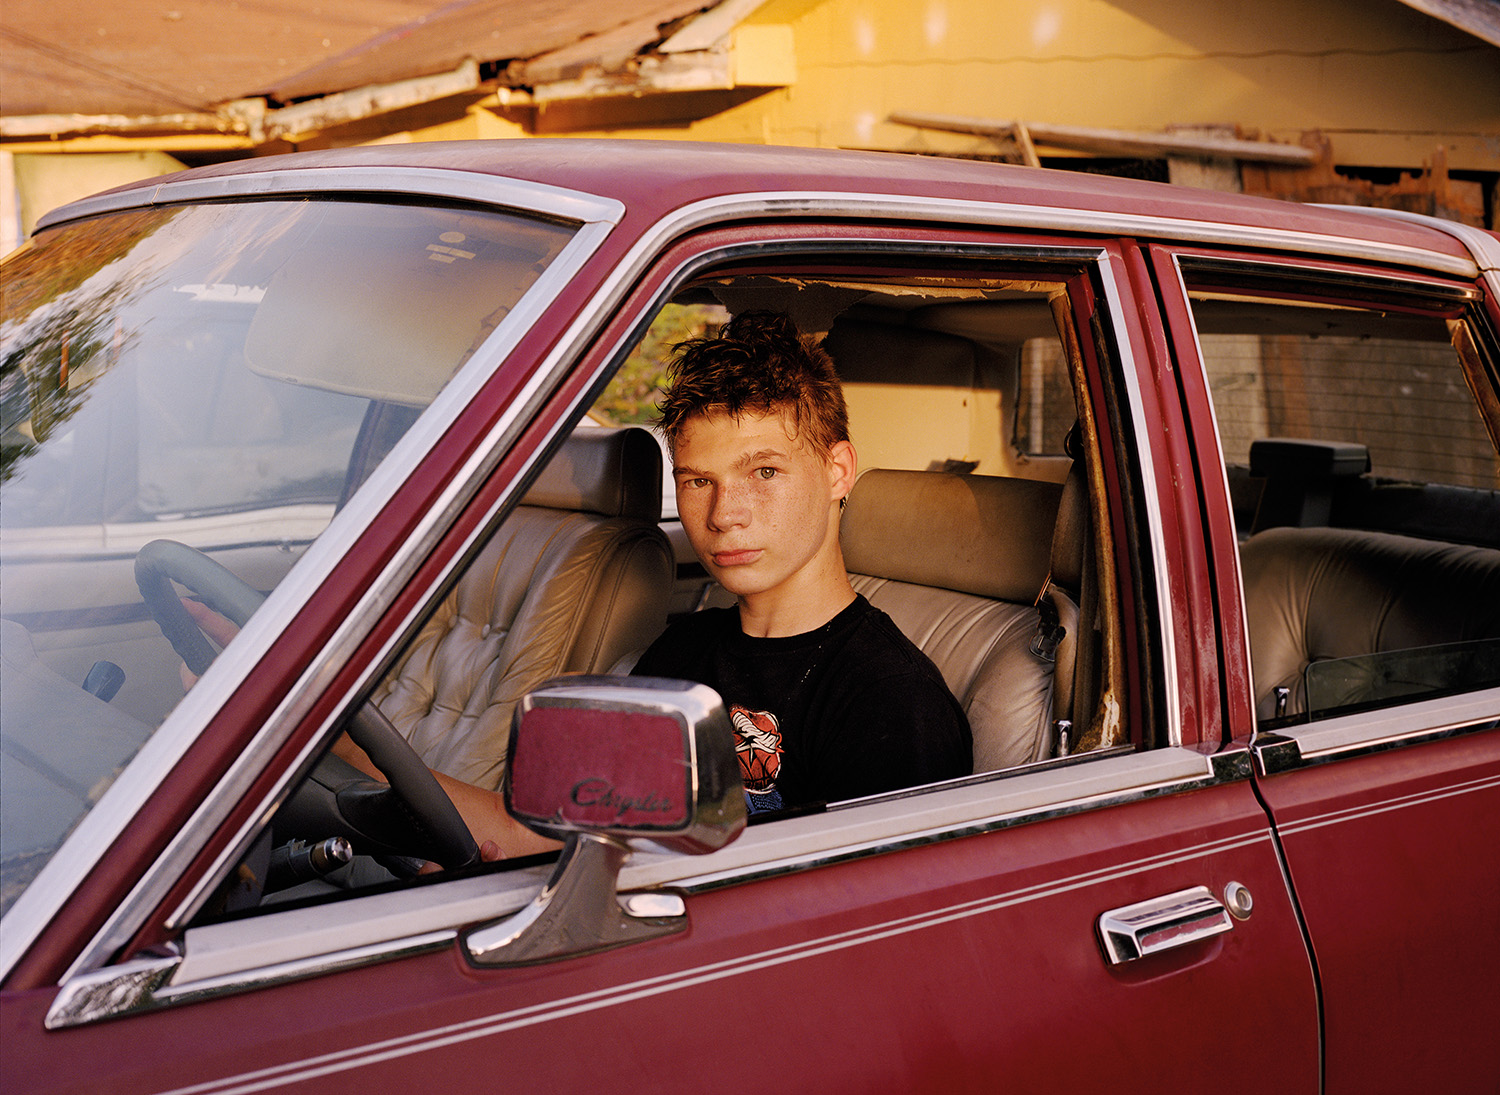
<point x="219" y="629"/>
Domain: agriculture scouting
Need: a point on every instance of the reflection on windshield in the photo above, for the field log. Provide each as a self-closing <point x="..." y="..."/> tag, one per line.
<point x="223" y="376"/>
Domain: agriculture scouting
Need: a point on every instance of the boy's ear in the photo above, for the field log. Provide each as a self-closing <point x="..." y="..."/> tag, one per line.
<point x="843" y="468"/>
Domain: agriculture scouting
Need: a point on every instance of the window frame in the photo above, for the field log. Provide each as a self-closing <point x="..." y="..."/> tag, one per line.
<point x="1180" y="271"/>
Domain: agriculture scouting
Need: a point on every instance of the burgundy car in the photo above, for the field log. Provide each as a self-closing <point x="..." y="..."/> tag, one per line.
<point x="1193" y="499"/>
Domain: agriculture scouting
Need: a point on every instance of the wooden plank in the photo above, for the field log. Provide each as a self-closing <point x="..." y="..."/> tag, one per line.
<point x="1117" y="142"/>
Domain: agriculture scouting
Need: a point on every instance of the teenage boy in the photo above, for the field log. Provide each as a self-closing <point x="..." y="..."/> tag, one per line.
<point x="829" y="700"/>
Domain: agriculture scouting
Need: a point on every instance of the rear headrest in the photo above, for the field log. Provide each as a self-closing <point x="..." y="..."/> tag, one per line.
<point x="977" y="534"/>
<point x="615" y="473"/>
<point x="879" y="353"/>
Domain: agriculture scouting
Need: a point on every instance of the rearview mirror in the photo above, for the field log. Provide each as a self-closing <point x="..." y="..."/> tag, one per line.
<point x="602" y="763"/>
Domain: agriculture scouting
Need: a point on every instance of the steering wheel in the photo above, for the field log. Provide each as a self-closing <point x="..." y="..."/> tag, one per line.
<point x="410" y="815"/>
<point x="162" y="562"/>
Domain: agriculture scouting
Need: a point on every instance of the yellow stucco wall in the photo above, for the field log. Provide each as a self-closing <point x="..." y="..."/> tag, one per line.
<point x="1386" y="83"/>
<point x="43" y="182"/>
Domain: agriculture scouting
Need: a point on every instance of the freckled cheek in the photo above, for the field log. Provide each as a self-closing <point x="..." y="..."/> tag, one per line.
<point x="692" y="507"/>
<point x="757" y="492"/>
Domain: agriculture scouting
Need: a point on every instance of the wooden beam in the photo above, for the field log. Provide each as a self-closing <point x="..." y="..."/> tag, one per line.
<point x="48" y="126"/>
<point x="1116" y="142"/>
<point x="1022" y="136"/>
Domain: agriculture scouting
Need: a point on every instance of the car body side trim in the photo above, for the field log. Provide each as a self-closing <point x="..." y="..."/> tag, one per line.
<point x="1402" y="802"/>
<point x="316" y="938"/>
<point x="1369" y="732"/>
<point x="434" y="1038"/>
<point x="277" y="947"/>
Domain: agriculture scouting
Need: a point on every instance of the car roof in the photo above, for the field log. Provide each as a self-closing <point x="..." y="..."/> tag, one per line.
<point x="653" y="177"/>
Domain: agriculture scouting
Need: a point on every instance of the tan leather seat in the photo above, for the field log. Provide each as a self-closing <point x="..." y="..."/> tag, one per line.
<point x="958" y="561"/>
<point x="1323" y="593"/>
<point x="579" y="575"/>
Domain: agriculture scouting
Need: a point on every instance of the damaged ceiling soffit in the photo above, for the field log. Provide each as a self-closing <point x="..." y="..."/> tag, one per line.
<point x="660" y="46"/>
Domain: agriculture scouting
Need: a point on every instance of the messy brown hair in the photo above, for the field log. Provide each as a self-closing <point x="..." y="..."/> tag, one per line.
<point x="759" y="362"/>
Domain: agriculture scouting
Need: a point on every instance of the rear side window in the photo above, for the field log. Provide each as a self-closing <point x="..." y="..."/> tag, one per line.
<point x="1395" y="387"/>
<point x="1366" y="489"/>
<point x="1044" y="399"/>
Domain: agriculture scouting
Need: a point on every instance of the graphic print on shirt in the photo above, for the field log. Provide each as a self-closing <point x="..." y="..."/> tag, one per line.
<point x="758" y="746"/>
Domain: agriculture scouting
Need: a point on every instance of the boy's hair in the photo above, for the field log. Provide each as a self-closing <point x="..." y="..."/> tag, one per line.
<point x="760" y="363"/>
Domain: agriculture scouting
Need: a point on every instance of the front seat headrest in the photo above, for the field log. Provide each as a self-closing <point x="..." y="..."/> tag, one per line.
<point x="611" y="472"/>
<point x="978" y="534"/>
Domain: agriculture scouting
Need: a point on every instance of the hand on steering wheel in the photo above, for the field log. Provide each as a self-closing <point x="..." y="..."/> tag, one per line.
<point x="410" y="816"/>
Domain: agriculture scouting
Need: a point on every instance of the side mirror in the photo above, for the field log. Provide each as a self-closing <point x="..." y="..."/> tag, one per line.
<point x="602" y="763"/>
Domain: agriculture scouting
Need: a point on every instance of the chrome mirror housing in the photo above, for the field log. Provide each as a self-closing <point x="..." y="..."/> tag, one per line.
<point x="602" y="763"/>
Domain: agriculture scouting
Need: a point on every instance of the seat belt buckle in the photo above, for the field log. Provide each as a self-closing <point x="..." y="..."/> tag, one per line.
<point x="1049" y="629"/>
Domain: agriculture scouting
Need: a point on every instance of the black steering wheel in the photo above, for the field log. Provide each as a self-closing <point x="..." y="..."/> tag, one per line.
<point x="411" y="815"/>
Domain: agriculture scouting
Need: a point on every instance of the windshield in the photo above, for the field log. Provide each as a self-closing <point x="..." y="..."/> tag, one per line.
<point x="222" y="376"/>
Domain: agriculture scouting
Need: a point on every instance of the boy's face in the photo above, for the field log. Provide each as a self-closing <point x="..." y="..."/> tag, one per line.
<point x="758" y="504"/>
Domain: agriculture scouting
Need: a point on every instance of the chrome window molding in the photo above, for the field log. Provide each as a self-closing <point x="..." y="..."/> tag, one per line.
<point x="341" y="181"/>
<point x="1378" y="731"/>
<point x="1007" y="800"/>
<point x="1482" y="245"/>
<point x="973" y="213"/>
<point x="216" y="951"/>
<point x="100" y="827"/>
<point x="146" y="984"/>
<point x="277" y="947"/>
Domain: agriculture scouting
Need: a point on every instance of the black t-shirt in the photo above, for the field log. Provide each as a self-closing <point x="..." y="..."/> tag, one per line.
<point x="850" y="709"/>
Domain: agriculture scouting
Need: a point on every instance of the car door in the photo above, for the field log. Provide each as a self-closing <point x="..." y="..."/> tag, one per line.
<point x="1111" y="918"/>
<point x="1382" y="771"/>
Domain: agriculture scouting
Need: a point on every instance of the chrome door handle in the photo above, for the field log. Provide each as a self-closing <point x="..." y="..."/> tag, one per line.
<point x="1172" y="920"/>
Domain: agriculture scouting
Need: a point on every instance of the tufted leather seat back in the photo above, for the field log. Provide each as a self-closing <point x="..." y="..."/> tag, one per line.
<point x="579" y="575"/>
<point x="958" y="561"/>
<point x="1324" y="593"/>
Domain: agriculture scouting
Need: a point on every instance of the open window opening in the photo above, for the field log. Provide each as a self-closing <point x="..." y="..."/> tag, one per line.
<point x="994" y="555"/>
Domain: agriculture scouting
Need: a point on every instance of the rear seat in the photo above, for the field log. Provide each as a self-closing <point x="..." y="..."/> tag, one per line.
<point x="958" y="561"/>
<point x="1324" y="593"/>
